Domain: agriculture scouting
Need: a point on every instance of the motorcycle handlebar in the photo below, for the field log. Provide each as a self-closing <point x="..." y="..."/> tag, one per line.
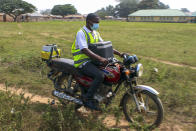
<point x="125" y="56"/>
<point x="112" y="62"/>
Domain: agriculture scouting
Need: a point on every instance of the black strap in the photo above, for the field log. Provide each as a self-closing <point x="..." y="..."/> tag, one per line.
<point x="53" y="48"/>
<point x="57" y="52"/>
<point x="51" y="52"/>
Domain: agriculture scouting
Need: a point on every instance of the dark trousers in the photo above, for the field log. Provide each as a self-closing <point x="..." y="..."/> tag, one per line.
<point x="91" y="70"/>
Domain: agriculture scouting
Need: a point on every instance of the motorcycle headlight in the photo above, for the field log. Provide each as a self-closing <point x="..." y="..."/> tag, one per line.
<point x="139" y="70"/>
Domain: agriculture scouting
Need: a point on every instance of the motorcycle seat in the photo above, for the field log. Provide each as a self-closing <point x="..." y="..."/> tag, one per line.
<point x="64" y="65"/>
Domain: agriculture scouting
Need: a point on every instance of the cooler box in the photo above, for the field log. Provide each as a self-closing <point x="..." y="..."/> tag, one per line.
<point x="103" y="49"/>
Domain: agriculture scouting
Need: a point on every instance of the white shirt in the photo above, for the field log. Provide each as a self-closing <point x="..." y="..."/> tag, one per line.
<point x="81" y="42"/>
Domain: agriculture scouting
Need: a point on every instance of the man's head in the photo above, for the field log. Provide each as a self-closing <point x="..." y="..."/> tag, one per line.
<point x="92" y="21"/>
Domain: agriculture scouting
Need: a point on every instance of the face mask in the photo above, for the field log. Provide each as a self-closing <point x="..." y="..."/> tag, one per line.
<point x="95" y="26"/>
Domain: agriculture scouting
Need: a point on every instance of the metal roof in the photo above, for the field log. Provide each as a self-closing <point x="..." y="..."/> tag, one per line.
<point x="158" y="12"/>
<point x="193" y="14"/>
<point x="35" y="14"/>
<point x="1" y="13"/>
<point x="75" y="16"/>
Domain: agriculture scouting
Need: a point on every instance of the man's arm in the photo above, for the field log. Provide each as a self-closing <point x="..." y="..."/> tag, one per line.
<point x="118" y="53"/>
<point x="94" y="56"/>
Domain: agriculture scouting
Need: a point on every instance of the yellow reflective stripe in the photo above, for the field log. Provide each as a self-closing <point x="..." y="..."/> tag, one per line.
<point x="99" y="37"/>
<point x="77" y="53"/>
<point x="82" y="60"/>
<point x="73" y="46"/>
<point x="87" y="36"/>
<point x="90" y="39"/>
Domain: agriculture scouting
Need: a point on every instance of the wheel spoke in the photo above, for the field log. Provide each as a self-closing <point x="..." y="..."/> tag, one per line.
<point x="146" y="102"/>
<point x="149" y="109"/>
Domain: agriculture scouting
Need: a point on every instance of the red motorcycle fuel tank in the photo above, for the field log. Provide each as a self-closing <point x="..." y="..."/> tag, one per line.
<point x="111" y="73"/>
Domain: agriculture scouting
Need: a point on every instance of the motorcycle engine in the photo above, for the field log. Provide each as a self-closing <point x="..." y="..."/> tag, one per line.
<point x="103" y="92"/>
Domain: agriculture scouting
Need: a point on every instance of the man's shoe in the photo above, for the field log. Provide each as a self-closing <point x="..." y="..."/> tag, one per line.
<point x="92" y="105"/>
<point x="57" y="86"/>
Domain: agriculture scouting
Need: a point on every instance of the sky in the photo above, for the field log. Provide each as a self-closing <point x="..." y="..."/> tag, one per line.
<point x="90" y="6"/>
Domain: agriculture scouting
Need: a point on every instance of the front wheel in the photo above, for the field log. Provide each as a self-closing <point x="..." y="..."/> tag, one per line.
<point x="150" y="114"/>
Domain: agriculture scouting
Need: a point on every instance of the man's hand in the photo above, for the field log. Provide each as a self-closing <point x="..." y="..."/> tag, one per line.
<point x="122" y="55"/>
<point x="103" y="60"/>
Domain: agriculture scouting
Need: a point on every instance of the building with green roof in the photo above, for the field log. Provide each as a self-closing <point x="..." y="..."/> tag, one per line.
<point x="159" y="15"/>
<point x="193" y="14"/>
<point x="193" y="17"/>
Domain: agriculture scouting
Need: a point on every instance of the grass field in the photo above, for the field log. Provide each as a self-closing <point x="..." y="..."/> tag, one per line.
<point x="172" y="42"/>
<point x="20" y="66"/>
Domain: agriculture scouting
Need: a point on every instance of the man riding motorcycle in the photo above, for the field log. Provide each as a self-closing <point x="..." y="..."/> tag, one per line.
<point x="83" y="57"/>
<point x="101" y="83"/>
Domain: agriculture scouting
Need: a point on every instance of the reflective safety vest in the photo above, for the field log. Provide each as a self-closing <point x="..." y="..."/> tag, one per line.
<point x="79" y="57"/>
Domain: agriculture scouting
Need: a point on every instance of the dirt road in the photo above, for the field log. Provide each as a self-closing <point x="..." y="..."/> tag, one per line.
<point x="33" y="98"/>
<point x="168" y="62"/>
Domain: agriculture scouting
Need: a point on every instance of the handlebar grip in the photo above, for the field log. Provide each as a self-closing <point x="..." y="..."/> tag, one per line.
<point x="125" y="56"/>
<point x="110" y="60"/>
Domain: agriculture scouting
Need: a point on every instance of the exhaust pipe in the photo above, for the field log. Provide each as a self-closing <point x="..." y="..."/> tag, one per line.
<point x="66" y="97"/>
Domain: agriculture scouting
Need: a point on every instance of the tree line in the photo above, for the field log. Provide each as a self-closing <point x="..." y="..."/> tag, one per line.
<point x="15" y="8"/>
<point x="126" y="7"/>
<point x="123" y="9"/>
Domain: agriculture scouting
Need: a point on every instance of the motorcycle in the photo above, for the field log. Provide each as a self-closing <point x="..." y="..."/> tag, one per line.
<point x="140" y="103"/>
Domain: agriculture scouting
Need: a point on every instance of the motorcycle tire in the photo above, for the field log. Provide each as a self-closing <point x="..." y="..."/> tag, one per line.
<point x="157" y="104"/>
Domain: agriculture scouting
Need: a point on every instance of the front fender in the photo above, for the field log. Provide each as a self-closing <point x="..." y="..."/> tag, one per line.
<point x="139" y="87"/>
<point x="148" y="88"/>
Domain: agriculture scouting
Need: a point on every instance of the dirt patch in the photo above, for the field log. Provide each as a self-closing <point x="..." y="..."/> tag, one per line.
<point x="45" y="34"/>
<point x="172" y="123"/>
<point x="33" y="98"/>
<point x="111" y="122"/>
<point x="19" y="26"/>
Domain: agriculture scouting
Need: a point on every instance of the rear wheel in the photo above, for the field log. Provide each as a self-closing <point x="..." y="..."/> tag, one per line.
<point x="150" y="115"/>
<point x="66" y="83"/>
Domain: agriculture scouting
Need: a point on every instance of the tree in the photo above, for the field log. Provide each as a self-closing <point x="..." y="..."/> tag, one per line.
<point x="163" y="6"/>
<point x="15" y="8"/>
<point x="148" y="4"/>
<point x="63" y="10"/>
<point x="46" y="12"/>
<point x="101" y="13"/>
<point x="125" y="7"/>
<point x="108" y="11"/>
<point x="185" y="10"/>
<point x="152" y="4"/>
